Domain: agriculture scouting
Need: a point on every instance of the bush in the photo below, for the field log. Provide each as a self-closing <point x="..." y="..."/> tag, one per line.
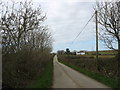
<point x="20" y="67"/>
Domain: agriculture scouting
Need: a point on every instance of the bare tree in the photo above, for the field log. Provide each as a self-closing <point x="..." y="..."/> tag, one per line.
<point x="109" y="19"/>
<point x="42" y="38"/>
<point x="19" y="26"/>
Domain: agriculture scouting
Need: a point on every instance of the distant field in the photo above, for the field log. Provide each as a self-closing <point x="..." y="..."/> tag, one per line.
<point x="91" y="57"/>
<point x="105" y="52"/>
<point x="101" y="54"/>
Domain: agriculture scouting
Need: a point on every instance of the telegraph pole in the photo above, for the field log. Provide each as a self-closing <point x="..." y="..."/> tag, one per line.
<point x="96" y="39"/>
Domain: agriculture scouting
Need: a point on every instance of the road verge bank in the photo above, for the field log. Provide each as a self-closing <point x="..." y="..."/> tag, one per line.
<point x="45" y="79"/>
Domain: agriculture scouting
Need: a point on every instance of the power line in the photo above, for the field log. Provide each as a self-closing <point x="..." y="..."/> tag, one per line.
<point x="88" y="23"/>
<point x="83" y="28"/>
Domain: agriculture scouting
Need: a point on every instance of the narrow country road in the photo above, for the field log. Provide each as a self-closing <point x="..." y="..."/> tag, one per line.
<point x="65" y="77"/>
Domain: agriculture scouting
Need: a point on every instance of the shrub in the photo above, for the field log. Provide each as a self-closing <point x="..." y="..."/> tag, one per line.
<point x="23" y="66"/>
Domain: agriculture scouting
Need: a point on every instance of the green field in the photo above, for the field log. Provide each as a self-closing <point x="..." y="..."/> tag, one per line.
<point x="101" y="54"/>
<point x="104" y="52"/>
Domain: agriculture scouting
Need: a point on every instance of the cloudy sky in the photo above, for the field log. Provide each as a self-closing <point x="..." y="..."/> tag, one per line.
<point x="66" y="18"/>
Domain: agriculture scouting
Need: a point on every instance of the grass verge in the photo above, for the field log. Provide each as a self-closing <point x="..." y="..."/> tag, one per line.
<point x="45" y="79"/>
<point x="101" y="78"/>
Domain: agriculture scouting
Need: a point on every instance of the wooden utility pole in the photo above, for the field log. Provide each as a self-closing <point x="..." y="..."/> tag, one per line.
<point x="96" y="40"/>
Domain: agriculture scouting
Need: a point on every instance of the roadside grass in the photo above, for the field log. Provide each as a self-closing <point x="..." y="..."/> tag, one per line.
<point x="101" y="78"/>
<point x="45" y="79"/>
